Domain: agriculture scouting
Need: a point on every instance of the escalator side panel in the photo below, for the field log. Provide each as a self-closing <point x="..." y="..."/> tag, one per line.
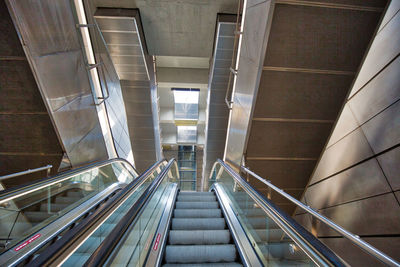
<point x="31" y="244"/>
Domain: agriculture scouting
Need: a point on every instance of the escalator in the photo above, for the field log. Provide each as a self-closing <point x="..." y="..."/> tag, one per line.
<point x="151" y="222"/>
<point x="199" y="228"/>
<point x="34" y="215"/>
<point x="163" y="226"/>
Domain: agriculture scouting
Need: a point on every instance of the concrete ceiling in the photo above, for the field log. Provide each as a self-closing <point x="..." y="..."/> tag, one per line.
<point x="176" y="27"/>
<point x="181" y="36"/>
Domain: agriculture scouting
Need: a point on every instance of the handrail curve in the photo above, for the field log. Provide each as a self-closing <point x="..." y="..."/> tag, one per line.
<point x="355" y="239"/>
<point x="11" y="193"/>
<point x="100" y="255"/>
<point x="59" y="251"/>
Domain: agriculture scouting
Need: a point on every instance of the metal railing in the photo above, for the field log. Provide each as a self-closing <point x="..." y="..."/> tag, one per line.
<point x="100" y="256"/>
<point x="233" y="71"/>
<point x="9" y="194"/>
<point x="29" y="171"/>
<point x="309" y="244"/>
<point x="355" y="239"/>
<point x="59" y="251"/>
<point x="98" y="63"/>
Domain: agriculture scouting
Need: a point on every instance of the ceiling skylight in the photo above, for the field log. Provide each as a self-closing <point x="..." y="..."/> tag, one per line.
<point x="186" y="96"/>
<point x="186" y="105"/>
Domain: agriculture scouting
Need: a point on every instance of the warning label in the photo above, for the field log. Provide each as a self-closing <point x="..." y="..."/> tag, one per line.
<point x="155" y="247"/>
<point x="27" y="242"/>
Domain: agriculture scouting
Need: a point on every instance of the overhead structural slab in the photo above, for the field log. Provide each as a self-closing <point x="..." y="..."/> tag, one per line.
<point x="296" y="65"/>
<point x="123" y="34"/>
<point x="218" y="84"/>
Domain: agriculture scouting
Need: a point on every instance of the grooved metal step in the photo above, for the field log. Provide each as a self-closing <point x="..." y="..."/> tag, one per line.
<point x="196" y="213"/>
<point x="226" y="264"/>
<point x="200" y="253"/>
<point x="182" y="237"/>
<point x="199" y="234"/>
<point x="198" y="224"/>
<point x="196" y="205"/>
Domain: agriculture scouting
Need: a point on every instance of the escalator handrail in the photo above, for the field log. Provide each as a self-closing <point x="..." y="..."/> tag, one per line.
<point x="101" y="254"/>
<point x="312" y="241"/>
<point x="355" y="239"/>
<point x="350" y="236"/>
<point x="12" y="193"/>
<point x="55" y="250"/>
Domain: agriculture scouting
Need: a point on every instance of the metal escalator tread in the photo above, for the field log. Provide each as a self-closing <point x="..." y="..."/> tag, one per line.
<point x="227" y="264"/>
<point x="199" y="235"/>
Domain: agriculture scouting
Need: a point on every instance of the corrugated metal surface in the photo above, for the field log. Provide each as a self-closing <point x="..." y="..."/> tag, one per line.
<point x="125" y="40"/>
<point x="48" y="30"/>
<point x="291" y="84"/>
<point x="218" y="112"/>
<point x="27" y="136"/>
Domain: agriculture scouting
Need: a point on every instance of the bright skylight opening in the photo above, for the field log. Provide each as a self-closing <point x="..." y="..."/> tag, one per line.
<point x="186" y="96"/>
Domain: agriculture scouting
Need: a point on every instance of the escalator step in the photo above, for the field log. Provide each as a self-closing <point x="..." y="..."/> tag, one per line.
<point x="200" y="254"/>
<point x="225" y="264"/>
<point x="196" y="198"/>
<point x="197" y="213"/>
<point x="196" y="205"/>
<point x="199" y="237"/>
<point x="198" y="224"/>
<point x="183" y="193"/>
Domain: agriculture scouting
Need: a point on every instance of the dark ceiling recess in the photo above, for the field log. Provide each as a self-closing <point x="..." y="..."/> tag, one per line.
<point x="27" y="137"/>
<point x="312" y="57"/>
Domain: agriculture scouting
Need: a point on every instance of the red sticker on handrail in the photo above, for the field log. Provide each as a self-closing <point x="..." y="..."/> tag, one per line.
<point x="155" y="247"/>
<point x="27" y="242"/>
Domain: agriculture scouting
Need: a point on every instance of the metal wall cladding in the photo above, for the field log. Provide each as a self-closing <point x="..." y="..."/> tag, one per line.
<point x="285" y="103"/>
<point x="382" y="50"/>
<point x="356" y="257"/>
<point x="356" y="180"/>
<point x="52" y="44"/>
<point x="27" y="136"/>
<point x="186" y="134"/>
<point x="124" y="37"/>
<point x="389" y="162"/>
<point x="184" y="111"/>
<point x="218" y="112"/>
<point x="251" y="59"/>
<point x="115" y="105"/>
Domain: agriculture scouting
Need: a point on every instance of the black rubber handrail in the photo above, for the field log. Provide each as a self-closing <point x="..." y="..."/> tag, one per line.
<point x="312" y="241"/>
<point x="11" y="192"/>
<point x="100" y="256"/>
<point x="54" y="251"/>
